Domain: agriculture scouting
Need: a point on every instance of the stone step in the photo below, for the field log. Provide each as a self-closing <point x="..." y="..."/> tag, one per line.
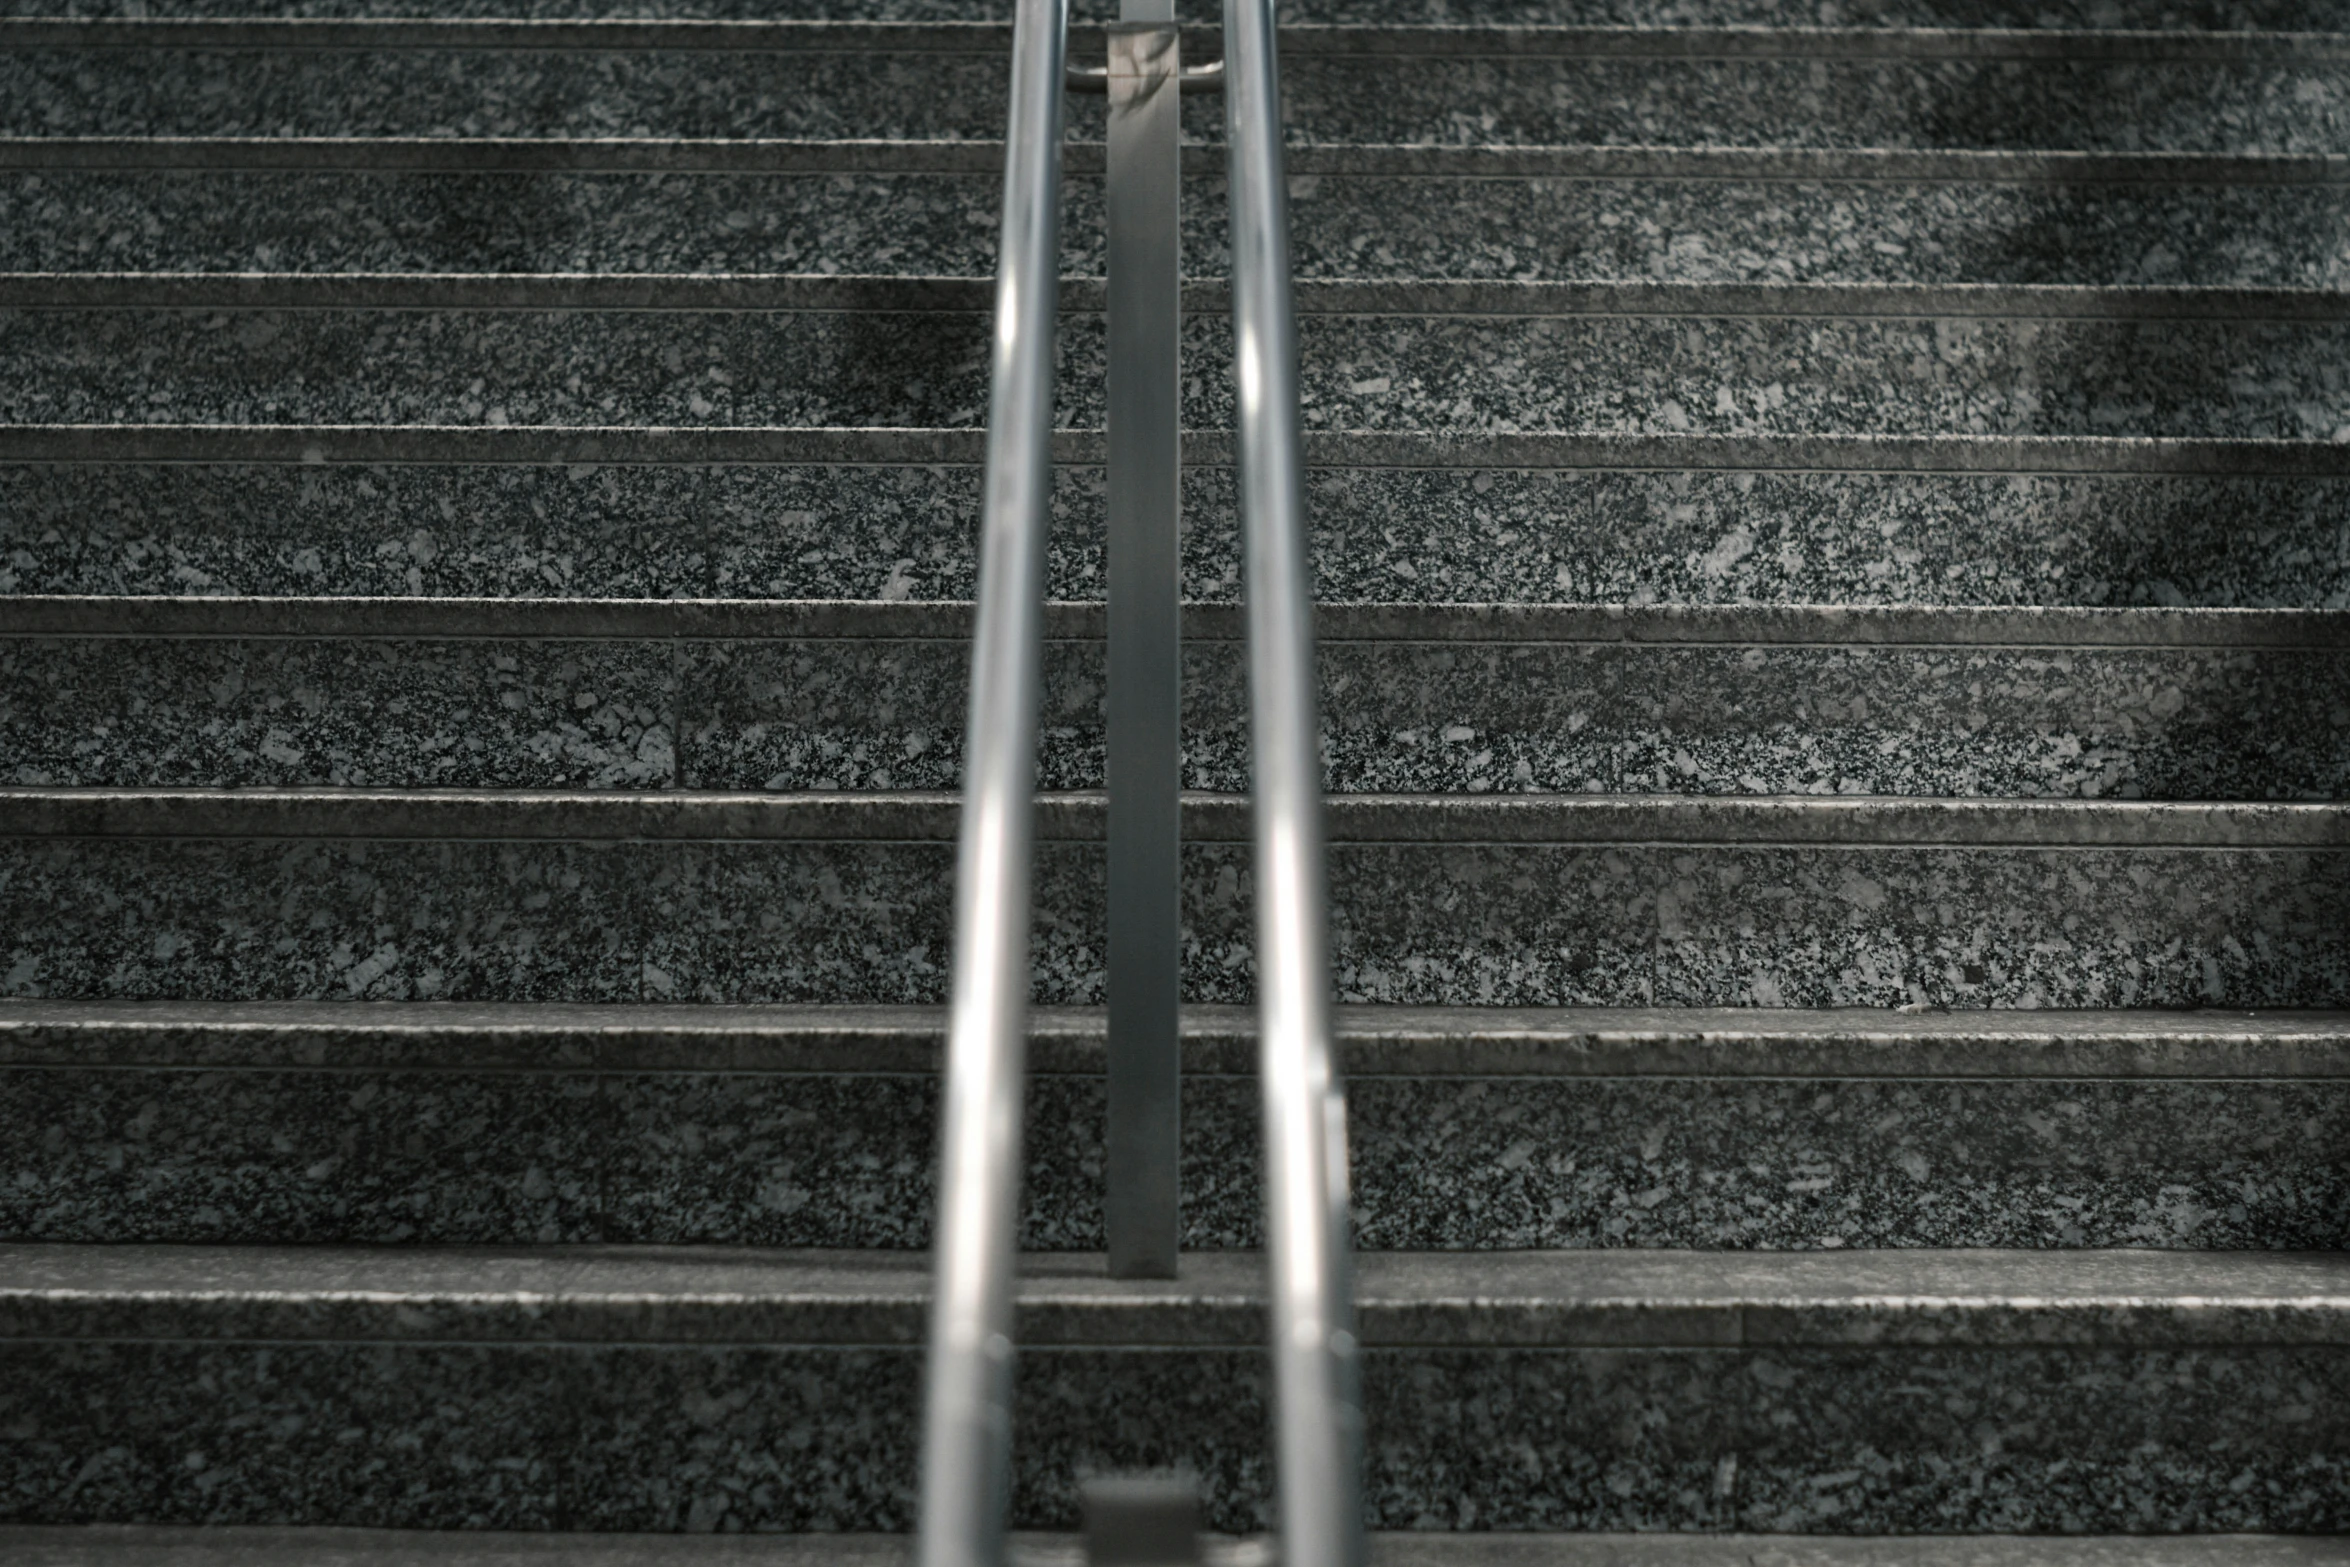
<point x="1531" y="86"/>
<point x="161" y="1545"/>
<point x="537" y="694"/>
<point x="1454" y="900"/>
<point x="1717" y="217"/>
<point x="860" y="514"/>
<point x="1850" y="1393"/>
<point x="1485" y="1129"/>
<point x="2218" y="16"/>
<point x="1491" y="358"/>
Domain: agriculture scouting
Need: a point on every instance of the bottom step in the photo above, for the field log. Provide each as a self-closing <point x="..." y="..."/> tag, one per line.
<point x="133" y="1547"/>
<point x="630" y="1389"/>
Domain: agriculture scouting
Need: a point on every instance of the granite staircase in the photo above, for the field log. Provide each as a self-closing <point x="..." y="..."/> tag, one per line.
<point x="1834" y="524"/>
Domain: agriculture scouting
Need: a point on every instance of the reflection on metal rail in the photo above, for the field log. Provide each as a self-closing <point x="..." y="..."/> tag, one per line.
<point x="967" y="1432"/>
<point x="967" y="1417"/>
<point x="1317" y="1413"/>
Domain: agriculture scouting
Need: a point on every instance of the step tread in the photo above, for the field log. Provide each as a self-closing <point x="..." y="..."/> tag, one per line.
<point x="1824" y="625"/>
<point x="1299" y="39"/>
<point x="472" y="445"/>
<point x="880" y="155"/>
<point x="1374" y="1041"/>
<point x="1539" y="87"/>
<point x="646" y="1294"/>
<point x="632" y="292"/>
<point x="250" y="1546"/>
<point x="520" y="222"/>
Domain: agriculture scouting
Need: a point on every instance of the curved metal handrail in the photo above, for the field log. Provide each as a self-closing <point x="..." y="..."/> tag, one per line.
<point x="967" y="1412"/>
<point x="967" y="1418"/>
<point x="1318" y="1423"/>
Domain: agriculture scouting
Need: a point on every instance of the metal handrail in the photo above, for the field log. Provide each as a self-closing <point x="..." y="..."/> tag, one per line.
<point x="967" y="1412"/>
<point x="1317" y="1412"/>
<point x="967" y="1429"/>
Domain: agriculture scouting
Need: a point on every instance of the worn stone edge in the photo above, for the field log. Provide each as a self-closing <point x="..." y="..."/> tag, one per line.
<point x="1530" y="820"/>
<point x="1796" y="625"/>
<point x="1298" y="40"/>
<point x="1748" y="1300"/>
<point x="594" y="445"/>
<point x="150" y="1545"/>
<point x="1415" y="1042"/>
<point x="786" y="155"/>
<point x="881" y="293"/>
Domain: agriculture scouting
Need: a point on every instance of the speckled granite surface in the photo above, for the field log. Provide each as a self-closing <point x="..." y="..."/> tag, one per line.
<point x="450" y="1437"/>
<point x="1453" y="924"/>
<point x="1623" y="374"/>
<point x="1723" y="230"/>
<point x="1399" y="717"/>
<point x="411" y="714"/>
<point x="1521" y="98"/>
<point x="1421" y="718"/>
<point x="689" y="1437"/>
<point x="1774" y="376"/>
<point x="2091" y="1424"/>
<point x="503" y="368"/>
<point x="1341" y="227"/>
<point x="1846" y="1443"/>
<point x="1392" y="535"/>
<point x="459" y="1157"/>
<point x="2222" y="15"/>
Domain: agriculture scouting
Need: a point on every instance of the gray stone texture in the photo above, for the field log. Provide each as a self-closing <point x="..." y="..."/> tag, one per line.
<point x="1517" y="97"/>
<point x="1655" y="375"/>
<point x="1468" y="924"/>
<point x="36" y="1545"/>
<point x="1899" y="1406"/>
<point x="456" y="1154"/>
<point x="1399" y="717"/>
<point x="2214" y="15"/>
<point x="452" y="1436"/>
<point x="1393" y="535"/>
<point x="690" y="1437"/>
<point x="401" y="714"/>
<point x="1400" y="228"/>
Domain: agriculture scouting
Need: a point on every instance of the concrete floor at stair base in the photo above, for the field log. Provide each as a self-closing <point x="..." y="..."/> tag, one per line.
<point x="676" y="1438"/>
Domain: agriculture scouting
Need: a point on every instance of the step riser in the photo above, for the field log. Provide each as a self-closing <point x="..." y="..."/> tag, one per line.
<point x="1607" y="374"/>
<point x="1408" y="536"/>
<point x="1400" y="717"/>
<point x="2216" y="15"/>
<point x="458" y="1157"/>
<point x="1445" y="924"/>
<point x="684" y="1437"/>
<point x="1341" y="227"/>
<point x="1509" y="99"/>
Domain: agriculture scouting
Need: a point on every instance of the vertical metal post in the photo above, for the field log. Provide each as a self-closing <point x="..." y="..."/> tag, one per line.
<point x="1145" y="685"/>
